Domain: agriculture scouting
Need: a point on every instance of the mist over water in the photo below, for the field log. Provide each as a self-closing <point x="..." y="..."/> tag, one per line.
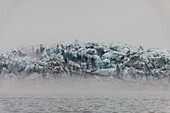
<point x="77" y="94"/>
<point x="37" y="85"/>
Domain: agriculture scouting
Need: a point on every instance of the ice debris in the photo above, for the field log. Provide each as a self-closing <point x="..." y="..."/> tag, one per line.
<point x="89" y="59"/>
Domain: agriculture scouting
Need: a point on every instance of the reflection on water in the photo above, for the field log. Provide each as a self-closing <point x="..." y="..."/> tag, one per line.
<point x="83" y="96"/>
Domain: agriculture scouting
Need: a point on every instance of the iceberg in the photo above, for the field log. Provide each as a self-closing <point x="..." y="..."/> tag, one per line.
<point x="87" y="59"/>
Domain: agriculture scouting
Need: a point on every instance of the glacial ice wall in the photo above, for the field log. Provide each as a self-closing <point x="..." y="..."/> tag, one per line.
<point x="88" y="59"/>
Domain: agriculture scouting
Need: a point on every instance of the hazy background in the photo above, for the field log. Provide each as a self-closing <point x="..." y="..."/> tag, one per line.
<point x="136" y="22"/>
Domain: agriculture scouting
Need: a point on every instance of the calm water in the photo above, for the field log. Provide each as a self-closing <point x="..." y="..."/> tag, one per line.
<point x="83" y="96"/>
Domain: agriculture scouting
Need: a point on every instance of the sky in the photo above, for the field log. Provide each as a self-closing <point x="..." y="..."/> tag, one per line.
<point x="135" y="22"/>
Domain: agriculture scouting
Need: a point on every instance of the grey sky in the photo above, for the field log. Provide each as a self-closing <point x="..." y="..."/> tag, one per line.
<point x="136" y="22"/>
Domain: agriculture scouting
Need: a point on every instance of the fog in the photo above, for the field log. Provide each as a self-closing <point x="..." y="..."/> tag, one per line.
<point x="134" y="22"/>
<point x="95" y="86"/>
<point x="141" y="22"/>
<point x="34" y="94"/>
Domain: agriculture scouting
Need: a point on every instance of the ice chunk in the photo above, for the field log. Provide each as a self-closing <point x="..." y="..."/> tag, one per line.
<point x="91" y="51"/>
<point x="107" y="56"/>
<point x="4" y="56"/>
<point x="116" y="47"/>
<point x="5" y="71"/>
<point x="106" y="72"/>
